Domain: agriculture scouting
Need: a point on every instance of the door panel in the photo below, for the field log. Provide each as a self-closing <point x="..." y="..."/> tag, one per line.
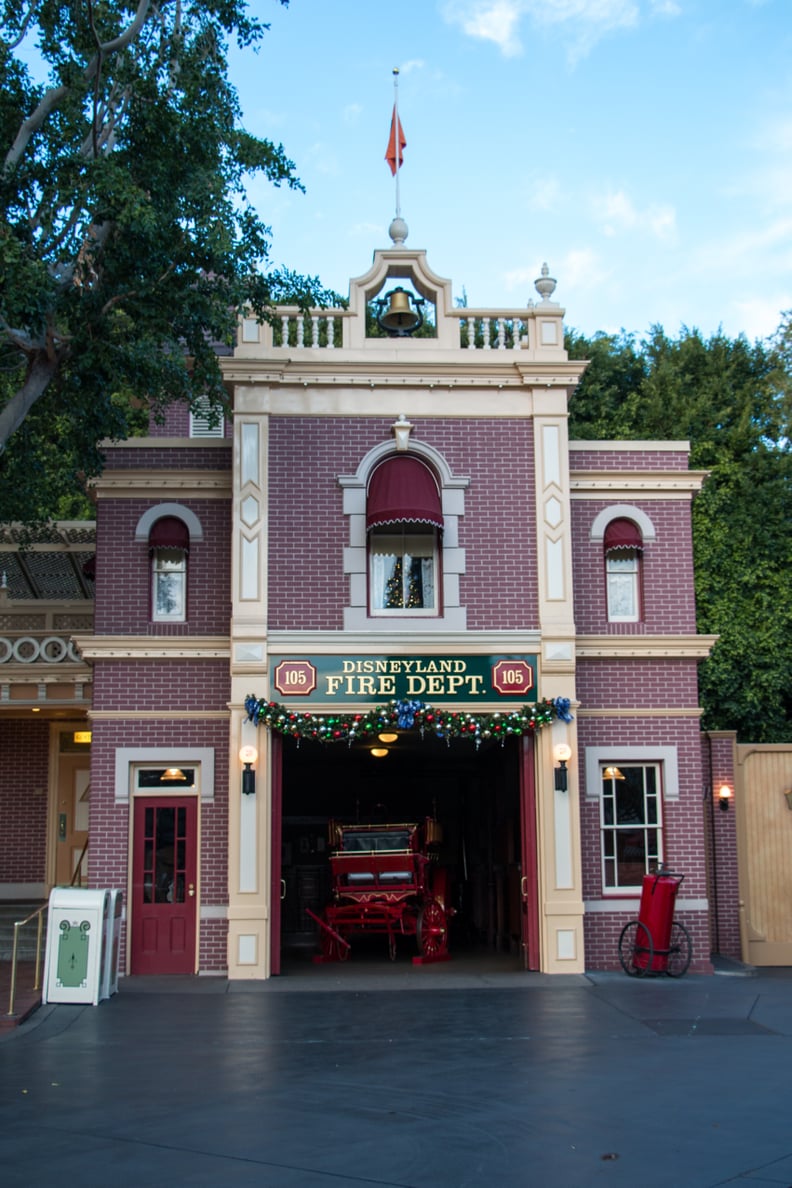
<point x="74" y="790"/>
<point x="529" y="881"/>
<point x="164" y="898"/>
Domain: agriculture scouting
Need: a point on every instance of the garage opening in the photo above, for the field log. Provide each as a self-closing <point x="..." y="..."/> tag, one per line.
<point x="473" y="796"/>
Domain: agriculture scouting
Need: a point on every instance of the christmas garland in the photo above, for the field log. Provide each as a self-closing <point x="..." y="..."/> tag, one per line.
<point x="406" y="715"/>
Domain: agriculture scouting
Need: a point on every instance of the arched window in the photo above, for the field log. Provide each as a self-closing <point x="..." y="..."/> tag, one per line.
<point x="404" y="521"/>
<point x="623" y="551"/>
<point x="169" y="547"/>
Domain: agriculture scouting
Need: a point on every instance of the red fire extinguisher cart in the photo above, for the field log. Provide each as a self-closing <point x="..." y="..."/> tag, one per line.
<point x="655" y="943"/>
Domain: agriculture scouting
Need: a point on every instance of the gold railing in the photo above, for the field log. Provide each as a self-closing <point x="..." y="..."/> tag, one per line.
<point x="17" y="926"/>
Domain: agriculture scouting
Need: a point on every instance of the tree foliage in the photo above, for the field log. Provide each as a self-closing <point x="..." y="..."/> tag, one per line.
<point x="127" y="244"/>
<point x="732" y="400"/>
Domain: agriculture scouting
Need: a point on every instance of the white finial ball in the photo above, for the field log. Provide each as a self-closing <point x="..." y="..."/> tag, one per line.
<point x="398" y="232"/>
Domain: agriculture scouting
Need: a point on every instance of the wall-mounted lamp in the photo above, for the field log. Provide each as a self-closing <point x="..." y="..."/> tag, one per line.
<point x="379" y="752"/>
<point x="172" y="775"/>
<point x="724" y="796"/>
<point x="387" y="738"/>
<point x="562" y="753"/>
<point x="248" y="755"/>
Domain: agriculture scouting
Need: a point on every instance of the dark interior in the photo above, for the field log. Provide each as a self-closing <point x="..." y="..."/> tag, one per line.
<point x="472" y="794"/>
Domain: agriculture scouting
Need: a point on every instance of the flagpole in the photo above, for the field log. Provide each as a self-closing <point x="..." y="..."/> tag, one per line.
<point x="398" y="151"/>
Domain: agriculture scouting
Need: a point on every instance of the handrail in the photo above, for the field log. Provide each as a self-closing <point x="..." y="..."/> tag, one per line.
<point x="20" y="924"/>
<point x="78" y="867"/>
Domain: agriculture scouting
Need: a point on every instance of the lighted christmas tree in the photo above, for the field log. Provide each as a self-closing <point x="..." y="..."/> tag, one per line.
<point x="393" y="587"/>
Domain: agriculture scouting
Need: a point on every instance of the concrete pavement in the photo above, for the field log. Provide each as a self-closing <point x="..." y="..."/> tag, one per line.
<point x="341" y="1078"/>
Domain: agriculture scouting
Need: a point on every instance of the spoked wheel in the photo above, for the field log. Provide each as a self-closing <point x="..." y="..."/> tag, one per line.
<point x="680" y="951"/>
<point x="432" y="930"/>
<point x="636" y="949"/>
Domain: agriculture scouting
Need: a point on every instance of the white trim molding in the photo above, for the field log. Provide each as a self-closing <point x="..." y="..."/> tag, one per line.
<point x="614" y="753"/>
<point x="176" y="756"/>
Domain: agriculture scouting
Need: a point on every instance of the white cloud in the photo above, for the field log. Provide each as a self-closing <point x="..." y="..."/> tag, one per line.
<point x="580" y="269"/>
<point x="544" y="193"/>
<point x="616" y="213"/>
<point x="351" y="113"/>
<point x="321" y="159"/>
<point x="580" y="23"/>
<point x="761" y="316"/>
<point x="489" y="20"/>
<point x="412" y="64"/>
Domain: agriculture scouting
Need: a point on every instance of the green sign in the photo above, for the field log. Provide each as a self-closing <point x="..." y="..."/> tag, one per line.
<point x="329" y="680"/>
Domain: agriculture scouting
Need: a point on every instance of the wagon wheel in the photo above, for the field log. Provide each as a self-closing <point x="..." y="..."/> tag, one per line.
<point x="431" y="930"/>
<point x="636" y="949"/>
<point x="679" y="952"/>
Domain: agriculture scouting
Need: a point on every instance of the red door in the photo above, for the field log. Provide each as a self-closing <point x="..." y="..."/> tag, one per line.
<point x="164" y="868"/>
<point x="529" y="881"/>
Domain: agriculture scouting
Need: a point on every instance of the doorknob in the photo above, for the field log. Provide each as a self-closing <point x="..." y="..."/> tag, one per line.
<point x="191" y="889"/>
<point x="283" y="888"/>
<point x="524" y="887"/>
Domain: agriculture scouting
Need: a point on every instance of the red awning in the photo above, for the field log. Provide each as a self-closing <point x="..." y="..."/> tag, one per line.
<point x="622" y="534"/>
<point x="403" y="490"/>
<point x="169" y="532"/>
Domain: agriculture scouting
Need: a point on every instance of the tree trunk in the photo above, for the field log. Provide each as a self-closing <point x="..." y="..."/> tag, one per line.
<point x="36" y="383"/>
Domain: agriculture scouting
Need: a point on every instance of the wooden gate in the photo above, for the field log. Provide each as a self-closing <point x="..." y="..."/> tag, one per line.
<point x="763" y="801"/>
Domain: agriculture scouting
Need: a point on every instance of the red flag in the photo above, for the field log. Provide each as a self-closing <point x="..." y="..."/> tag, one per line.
<point x="396" y="134"/>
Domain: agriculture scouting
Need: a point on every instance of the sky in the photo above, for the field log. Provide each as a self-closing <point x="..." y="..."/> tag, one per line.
<point x="642" y="148"/>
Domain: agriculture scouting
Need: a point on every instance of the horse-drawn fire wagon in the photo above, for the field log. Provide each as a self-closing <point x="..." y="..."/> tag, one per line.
<point x="385" y="882"/>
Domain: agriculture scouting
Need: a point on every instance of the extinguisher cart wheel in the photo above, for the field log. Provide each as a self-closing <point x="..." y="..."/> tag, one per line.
<point x="432" y="930"/>
<point x="680" y="950"/>
<point x="636" y="949"/>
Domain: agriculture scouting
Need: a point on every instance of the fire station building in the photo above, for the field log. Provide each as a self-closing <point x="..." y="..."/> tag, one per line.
<point x="393" y="528"/>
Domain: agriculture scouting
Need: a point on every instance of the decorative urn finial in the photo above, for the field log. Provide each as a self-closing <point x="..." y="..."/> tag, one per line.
<point x="545" y="284"/>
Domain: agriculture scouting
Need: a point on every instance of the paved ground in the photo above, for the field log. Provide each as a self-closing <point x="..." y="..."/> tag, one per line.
<point x="433" y="1077"/>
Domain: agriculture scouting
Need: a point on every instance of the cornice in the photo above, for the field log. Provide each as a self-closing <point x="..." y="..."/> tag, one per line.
<point x="475" y="369"/>
<point x="147" y="647"/>
<point x="590" y="484"/>
<point x="662" y="647"/>
<point x="627" y="712"/>
<point x="194" y="484"/>
<point x="158" y="715"/>
<point x="324" y="643"/>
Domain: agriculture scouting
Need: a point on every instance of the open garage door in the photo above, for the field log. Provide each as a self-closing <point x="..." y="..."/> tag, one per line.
<point x="479" y="801"/>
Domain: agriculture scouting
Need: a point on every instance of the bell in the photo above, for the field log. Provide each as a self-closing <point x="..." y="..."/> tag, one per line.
<point x="400" y="315"/>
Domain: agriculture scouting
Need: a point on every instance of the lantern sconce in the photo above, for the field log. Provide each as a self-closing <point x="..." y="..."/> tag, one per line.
<point x="562" y="753"/>
<point x="724" y="796"/>
<point x="248" y="756"/>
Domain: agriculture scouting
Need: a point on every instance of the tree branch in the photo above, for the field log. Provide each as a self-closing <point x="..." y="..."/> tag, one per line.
<point x="37" y="380"/>
<point x="55" y="95"/>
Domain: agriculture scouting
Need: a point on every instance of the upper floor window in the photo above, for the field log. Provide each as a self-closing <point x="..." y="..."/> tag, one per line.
<point x="630" y="823"/>
<point x="403" y="569"/>
<point x="623" y="549"/>
<point x="203" y="423"/>
<point x="404" y="522"/>
<point x="169" y="546"/>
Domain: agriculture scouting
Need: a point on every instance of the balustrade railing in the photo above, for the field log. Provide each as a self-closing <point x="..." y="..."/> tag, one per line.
<point x="323" y="330"/>
<point x="22" y="648"/>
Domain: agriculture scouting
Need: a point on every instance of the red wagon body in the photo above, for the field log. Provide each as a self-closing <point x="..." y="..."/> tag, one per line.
<point x="386" y="882"/>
